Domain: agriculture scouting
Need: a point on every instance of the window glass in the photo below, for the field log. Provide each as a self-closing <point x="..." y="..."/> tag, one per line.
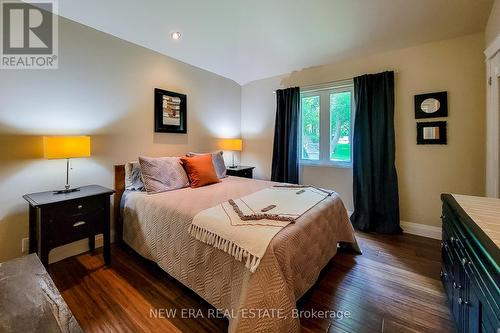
<point x="310" y="128"/>
<point x="340" y="126"/>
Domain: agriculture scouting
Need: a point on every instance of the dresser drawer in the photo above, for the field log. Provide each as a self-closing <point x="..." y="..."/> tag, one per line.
<point x="452" y="238"/>
<point x="483" y="282"/>
<point x="447" y="276"/>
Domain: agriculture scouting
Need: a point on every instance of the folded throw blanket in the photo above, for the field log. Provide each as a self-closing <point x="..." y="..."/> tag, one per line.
<point x="244" y="227"/>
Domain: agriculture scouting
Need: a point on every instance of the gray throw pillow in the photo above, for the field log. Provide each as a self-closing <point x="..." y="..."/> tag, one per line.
<point x="161" y="174"/>
<point x="133" y="177"/>
<point x="217" y="161"/>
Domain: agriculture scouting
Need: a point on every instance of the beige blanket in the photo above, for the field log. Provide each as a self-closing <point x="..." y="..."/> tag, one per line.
<point x="247" y="240"/>
<point x="156" y="227"/>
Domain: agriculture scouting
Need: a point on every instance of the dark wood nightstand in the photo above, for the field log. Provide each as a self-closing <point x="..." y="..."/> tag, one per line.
<point x="58" y="219"/>
<point x="240" y="171"/>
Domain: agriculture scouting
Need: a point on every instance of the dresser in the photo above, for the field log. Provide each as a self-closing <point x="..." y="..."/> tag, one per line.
<point x="470" y="261"/>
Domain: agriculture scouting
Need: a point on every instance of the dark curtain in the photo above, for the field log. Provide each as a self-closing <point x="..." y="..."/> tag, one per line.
<point x="285" y="167"/>
<point x="376" y="198"/>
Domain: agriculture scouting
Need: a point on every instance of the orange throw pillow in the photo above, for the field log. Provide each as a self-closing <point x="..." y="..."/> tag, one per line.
<point x="200" y="170"/>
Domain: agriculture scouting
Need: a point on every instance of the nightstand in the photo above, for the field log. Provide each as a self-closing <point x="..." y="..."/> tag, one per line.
<point x="59" y="219"/>
<point x="240" y="171"/>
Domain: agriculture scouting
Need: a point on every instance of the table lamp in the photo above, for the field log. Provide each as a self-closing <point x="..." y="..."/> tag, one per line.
<point x="232" y="145"/>
<point x="66" y="147"/>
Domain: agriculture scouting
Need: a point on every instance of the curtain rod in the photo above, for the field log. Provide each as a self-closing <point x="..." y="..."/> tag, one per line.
<point x="321" y="86"/>
<point x="328" y="85"/>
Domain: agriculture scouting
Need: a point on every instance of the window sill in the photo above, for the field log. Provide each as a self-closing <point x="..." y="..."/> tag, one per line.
<point x="337" y="165"/>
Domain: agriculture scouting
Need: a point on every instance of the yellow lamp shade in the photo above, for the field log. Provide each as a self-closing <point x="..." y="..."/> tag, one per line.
<point x="56" y="147"/>
<point x="231" y="144"/>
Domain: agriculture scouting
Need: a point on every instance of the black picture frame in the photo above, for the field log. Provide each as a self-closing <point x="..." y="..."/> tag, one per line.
<point x="441" y="96"/>
<point x="441" y="125"/>
<point x="161" y="118"/>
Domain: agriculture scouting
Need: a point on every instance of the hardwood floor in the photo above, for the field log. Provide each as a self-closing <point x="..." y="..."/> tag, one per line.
<point x="393" y="287"/>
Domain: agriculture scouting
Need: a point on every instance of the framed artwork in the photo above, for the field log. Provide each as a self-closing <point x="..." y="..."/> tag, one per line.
<point x="431" y="133"/>
<point x="170" y="112"/>
<point x="433" y="105"/>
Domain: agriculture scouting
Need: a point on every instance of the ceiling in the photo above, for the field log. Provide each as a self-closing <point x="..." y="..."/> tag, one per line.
<point x="255" y="39"/>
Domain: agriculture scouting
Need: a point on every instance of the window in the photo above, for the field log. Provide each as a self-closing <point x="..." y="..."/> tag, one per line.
<point x="326" y="126"/>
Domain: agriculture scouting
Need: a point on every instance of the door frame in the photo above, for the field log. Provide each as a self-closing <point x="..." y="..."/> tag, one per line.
<point x="492" y="181"/>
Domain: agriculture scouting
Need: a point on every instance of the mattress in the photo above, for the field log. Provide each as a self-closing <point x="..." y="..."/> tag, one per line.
<point x="156" y="226"/>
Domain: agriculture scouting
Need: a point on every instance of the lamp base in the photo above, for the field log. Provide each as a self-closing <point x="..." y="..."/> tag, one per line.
<point x="66" y="191"/>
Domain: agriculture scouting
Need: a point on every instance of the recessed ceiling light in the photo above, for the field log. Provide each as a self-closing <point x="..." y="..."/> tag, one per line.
<point x="176" y="35"/>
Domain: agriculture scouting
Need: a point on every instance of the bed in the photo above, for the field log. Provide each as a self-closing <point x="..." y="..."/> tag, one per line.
<point x="156" y="227"/>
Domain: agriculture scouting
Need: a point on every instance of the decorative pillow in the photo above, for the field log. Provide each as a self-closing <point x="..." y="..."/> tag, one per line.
<point x="161" y="174"/>
<point x="218" y="162"/>
<point x="200" y="170"/>
<point x="133" y="177"/>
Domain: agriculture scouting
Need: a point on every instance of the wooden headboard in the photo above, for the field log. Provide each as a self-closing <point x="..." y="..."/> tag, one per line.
<point x="119" y="189"/>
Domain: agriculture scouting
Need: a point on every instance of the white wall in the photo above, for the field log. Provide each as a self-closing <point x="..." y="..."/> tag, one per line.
<point x="455" y="65"/>
<point x="104" y="88"/>
<point x="258" y="110"/>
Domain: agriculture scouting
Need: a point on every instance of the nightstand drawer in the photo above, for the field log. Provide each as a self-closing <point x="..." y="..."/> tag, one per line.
<point x="241" y="171"/>
<point x="66" y="229"/>
<point x="247" y="173"/>
<point x="77" y="207"/>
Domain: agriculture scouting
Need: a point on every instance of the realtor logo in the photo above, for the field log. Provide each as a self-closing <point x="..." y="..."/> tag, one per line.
<point x="29" y="34"/>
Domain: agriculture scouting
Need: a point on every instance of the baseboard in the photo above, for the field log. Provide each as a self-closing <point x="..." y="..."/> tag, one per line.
<point x="421" y="229"/>
<point x="418" y="229"/>
<point x="73" y="249"/>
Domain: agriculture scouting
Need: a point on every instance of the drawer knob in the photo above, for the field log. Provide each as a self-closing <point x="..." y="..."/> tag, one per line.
<point x="78" y="224"/>
<point x="465" y="261"/>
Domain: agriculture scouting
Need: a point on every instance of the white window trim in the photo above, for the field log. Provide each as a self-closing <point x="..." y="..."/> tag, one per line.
<point x="324" y="154"/>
